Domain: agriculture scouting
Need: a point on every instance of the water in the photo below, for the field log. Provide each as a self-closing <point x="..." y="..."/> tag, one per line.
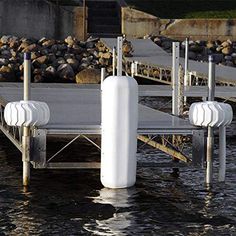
<point x="73" y="202"/>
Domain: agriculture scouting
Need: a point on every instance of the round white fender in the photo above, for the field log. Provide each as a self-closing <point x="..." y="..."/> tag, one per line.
<point x="27" y="113"/>
<point x="119" y="131"/>
<point x="210" y="114"/>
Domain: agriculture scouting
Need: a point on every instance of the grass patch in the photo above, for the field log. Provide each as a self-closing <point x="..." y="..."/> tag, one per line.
<point x="183" y="9"/>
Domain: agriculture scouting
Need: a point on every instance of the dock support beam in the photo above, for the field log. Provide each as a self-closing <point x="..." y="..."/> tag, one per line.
<point x="210" y="136"/>
<point x="26" y="129"/>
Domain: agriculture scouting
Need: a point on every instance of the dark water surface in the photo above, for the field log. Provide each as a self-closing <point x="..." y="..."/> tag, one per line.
<point x="73" y="202"/>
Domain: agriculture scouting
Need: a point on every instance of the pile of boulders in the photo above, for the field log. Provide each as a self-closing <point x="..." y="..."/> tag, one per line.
<point x="66" y="60"/>
<point x="224" y="52"/>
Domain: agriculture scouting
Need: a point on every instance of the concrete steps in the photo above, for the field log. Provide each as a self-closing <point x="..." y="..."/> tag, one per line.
<point x="104" y="18"/>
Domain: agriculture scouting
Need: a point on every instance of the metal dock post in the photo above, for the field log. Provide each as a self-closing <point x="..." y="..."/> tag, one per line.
<point x="119" y="56"/>
<point x="222" y="153"/>
<point x="26" y="129"/>
<point x="114" y="61"/>
<point x="210" y="136"/>
<point x="186" y="83"/>
<point x="175" y="77"/>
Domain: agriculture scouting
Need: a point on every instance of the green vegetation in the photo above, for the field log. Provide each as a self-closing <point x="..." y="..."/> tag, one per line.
<point x="178" y="9"/>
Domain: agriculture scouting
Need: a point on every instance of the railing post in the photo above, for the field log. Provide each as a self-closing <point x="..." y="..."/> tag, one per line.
<point x="114" y="61"/>
<point x="186" y="77"/>
<point x="180" y="98"/>
<point x="103" y="76"/>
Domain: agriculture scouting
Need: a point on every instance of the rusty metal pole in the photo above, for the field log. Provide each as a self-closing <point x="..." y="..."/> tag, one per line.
<point x="26" y="129"/>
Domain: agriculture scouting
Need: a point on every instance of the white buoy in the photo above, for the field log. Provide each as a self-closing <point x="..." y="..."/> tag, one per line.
<point x="119" y="131"/>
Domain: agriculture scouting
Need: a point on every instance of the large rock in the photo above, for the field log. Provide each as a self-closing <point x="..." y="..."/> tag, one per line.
<point x="23" y="45"/>
<point x="227" y="43"/>
<point x="210" y="45"/>
<point x="5" y="39"/>
<point x="192" y="55"/>
<point x="48" y="43"/>
<point x="50" y="72"/>
<point x="196" y="48"/>
<point x="88" y="76"/>
<point x="70" y="41"/>
<point x="101" y="47"/>
<point x="73" y="62"/>
<point x="38" y="78"/>
<point x="166" y="44"/>
<point x="66" y="72"/>
<point x="6" y="53"/>
<point x="105" y="55"/>
<point x="227" y="50"/>
<point x="229" y="63"/>
<point x="4" y="61"/>
<point x="157" y="40"/>
<point x="30" y="48"/>
<point x="6" y="74"/>
<point x="218" y="58"/>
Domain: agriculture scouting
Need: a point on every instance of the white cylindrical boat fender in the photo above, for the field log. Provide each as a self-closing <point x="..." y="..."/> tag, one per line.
<point x="210" y="114"/>
<point x="27" y="113"/>
<point x="119" y="131"/>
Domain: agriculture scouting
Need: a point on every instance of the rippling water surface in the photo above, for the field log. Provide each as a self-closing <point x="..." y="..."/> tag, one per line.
<point x="73" y="202"/>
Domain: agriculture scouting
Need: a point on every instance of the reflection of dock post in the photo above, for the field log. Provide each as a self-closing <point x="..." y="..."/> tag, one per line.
<point x="26" y="129"/>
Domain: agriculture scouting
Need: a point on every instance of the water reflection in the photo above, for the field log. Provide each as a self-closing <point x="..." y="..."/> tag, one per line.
<point x="122" y="200"/>
<point x="21" y="216"/>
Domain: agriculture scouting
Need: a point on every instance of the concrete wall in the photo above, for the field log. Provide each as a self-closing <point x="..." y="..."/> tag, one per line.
<point x="35" y="18"/>
<point x="80" y="26"/>
<point x="137" y="23"/>
<point x="204" y="29"/>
